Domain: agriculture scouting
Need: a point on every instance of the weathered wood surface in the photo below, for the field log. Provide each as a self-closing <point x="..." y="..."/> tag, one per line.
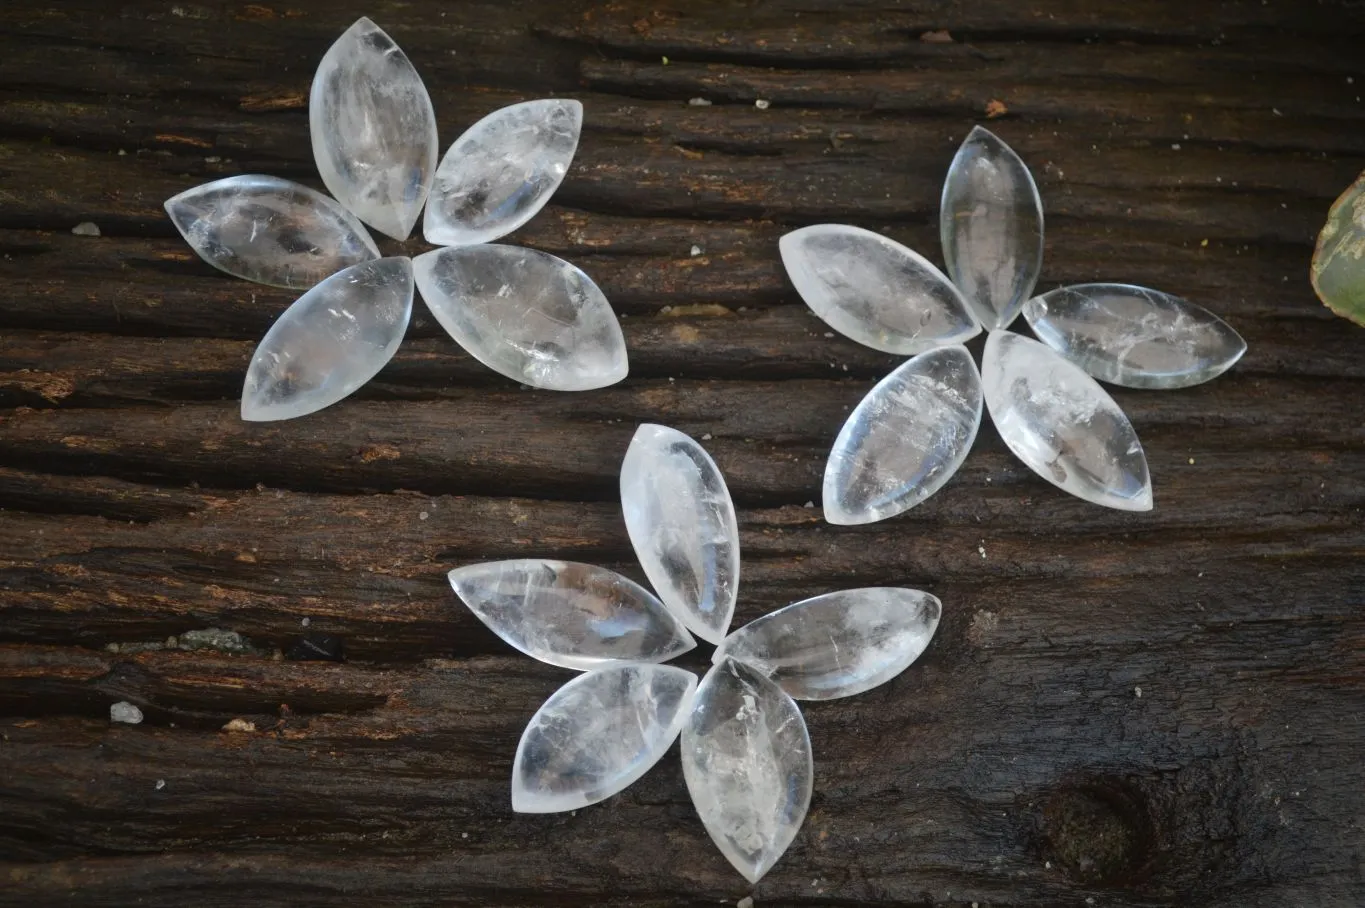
<point x="1123" y="710"/>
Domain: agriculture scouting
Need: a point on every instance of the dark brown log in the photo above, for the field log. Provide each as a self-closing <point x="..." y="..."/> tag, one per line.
<point x="1119" y="710"/>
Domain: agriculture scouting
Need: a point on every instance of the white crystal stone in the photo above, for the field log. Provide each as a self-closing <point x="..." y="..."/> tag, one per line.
<point x="906" y="438"/>
<point x="838" y="644"/>
<point x="270" y="230"/>
<point x="747" y="760"/>
<point x="125" y="712"/>
<point x="682" y="524"/>
<point x="573" y="615"/>
<point x="373" y="129"/>
<point x="1062" y="424"/>
<point x="502" y="171"/>
<point x="331" y="341"/>
<point x="991" y="225"/>
<point x="528" y="315"/>
<point x="1134" y="336"/>
<point x="874" y="290"/>
<point x="598" y="734"/>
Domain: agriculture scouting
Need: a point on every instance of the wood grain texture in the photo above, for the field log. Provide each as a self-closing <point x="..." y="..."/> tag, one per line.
<point x="1118" y="710"/>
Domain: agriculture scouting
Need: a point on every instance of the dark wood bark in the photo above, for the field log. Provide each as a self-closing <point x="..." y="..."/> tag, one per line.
<point x="1121" y="710"/>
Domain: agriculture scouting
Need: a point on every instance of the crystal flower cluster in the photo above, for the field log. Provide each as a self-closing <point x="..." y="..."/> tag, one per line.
<point x="913" y="430"/>
<point x="746" y="753"/>
<point x="526" y="314"/>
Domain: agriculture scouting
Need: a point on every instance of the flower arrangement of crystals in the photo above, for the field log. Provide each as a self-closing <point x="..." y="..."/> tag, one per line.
<point x="746" y="753"/>
<point x="912" y="431"/>
<point x="526" y="314"/>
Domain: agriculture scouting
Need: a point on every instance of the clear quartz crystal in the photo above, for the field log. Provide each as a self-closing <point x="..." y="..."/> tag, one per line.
<point x="874" y="290"/>
<point x="502" y="171"/>
<point x="373" y="129"/>
<point x="528" y="315"/>
<point x="682" y="524"/>
<point x="332" y="340"/>
<point x="906" y="438"/>
<point x="1134" y="336"/>
<point x="838" y="644"/>
<point x="573" y="615"/>
<point x="1062" y="424"/>
<point x="598" y="734"/>
<point x="270" y="230"/>
<point x="991" y="225"/>
<point x="747" y="760"/>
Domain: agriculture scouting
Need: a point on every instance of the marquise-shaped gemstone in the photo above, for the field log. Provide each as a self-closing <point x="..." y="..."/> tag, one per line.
<point x="682" y="524"/>
<point x="528" y="315"/>
<point x="1062" y="424"/>
<point x="991" y="225"/>
<point x="270" y="230"/>
<point x="597" y="734"/>
<point x="747" y="760"/>
<point x="330" y="341"/>
<point x="905" y="439"/>
<point x="874" y="290"/>
<point x="373" y="129"/>
<point x="838" y="644"/>
<point x="573" y="615"/>
<point x="502" y="171"/>
<point x="1134" y="336"/>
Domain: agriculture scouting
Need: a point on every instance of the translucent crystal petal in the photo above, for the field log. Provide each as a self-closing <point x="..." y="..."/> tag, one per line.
<point x="682" y="524"/>
<point x="598" y="734"/>
<point x="574" y="615"/>
<point x="528" y="315"/>
<point x="373" y="129"/>
<point x="991" y="225"/>
<point x="1134" y="336"/>
<point x="838" y="644"/>
<point x="906" y="438"/>
<point x="331" y="341"/>
<point x="747" y="760"/>
<point x="875" y="290"/>
<point x="270" y="230"/>
<point x="1061" y="423"/>
<point x="502" y="171"/>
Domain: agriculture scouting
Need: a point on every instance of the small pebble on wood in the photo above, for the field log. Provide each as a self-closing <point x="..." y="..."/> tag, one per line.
<point x="125" y="712"/>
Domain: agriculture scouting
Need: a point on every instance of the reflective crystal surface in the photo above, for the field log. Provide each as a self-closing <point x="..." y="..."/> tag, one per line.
<point x="270" y="230"/>
<point x="502" y="171"/>
<point x="373" y="129"/>
<point x="574" y="615"/>
<point x="905" y="439"/>
<point x="682" y="524"/>
<point x="747" y="760"/>
<point x="991" y="225"/>
<point x="330" y="341"/>
<point x="1062" y="424"/>
<point x="1134" y="336"/>
<point x="838" y="644"/>
<point x="875" y="290"/>
<point x="528" y="315"/>
<point x="597" y="734"/>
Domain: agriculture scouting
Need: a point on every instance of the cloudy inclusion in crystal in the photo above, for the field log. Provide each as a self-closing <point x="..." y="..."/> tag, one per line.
<point x="747" y="761"/>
